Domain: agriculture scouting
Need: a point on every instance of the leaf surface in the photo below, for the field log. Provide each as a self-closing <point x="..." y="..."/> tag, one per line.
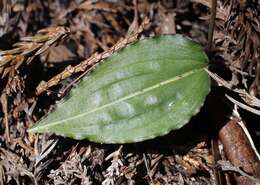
<point x="143" y="91"/>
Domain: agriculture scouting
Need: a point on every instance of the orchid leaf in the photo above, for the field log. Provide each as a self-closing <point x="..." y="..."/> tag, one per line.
<point x="143" y="91"/>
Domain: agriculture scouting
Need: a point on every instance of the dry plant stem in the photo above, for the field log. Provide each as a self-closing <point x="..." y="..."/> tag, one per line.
<point x="5" y="111"/>
<point x="227" y="166"/>
<point x="239" y="152"/>
<point x="94" y="59"/>
<point x="243" y="106"/>
<point x="212" y="22"/>
<point x="246" y="132"/>
<point x="249" y="99"/>
<point x="30" y="47"/>
<point x="218" y="175"/>
<point x="22" y="54"/>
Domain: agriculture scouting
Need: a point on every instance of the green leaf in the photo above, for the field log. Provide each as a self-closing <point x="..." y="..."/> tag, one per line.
<point x="143" y="91"/>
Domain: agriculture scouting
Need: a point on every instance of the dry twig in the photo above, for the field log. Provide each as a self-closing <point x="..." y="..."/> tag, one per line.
<point x="29" y="47"/>
<point x="227" y="166"/>
<point x="86" y="65"/>
<point x="11" y="60"/>
<point x="248" y="98"/>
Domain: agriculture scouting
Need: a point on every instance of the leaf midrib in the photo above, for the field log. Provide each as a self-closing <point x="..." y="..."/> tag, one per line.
<point x="145" y="61"/>
<point x="175" y="78"/>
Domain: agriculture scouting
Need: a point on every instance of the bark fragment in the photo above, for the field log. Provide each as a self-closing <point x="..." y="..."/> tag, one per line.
<point x="239" y="151"/>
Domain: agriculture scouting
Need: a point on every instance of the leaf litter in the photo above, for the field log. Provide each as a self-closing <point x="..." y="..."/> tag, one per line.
<point x="93" y="28"/>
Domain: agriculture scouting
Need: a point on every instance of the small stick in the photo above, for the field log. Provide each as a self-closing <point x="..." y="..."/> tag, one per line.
<point x="243" y="106"/>
<point x="219" y="176"/>
<point x="91" y="61"/>
<point x="212" y="23"/>
<point x="5" y="111"/>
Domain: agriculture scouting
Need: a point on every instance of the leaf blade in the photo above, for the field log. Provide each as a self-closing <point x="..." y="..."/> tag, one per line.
<point x="119" y="91"/>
